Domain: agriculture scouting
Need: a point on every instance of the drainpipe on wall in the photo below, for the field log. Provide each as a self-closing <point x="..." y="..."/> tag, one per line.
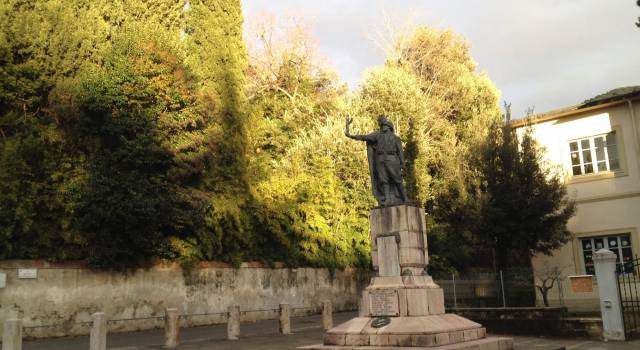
<point x="636" y="136"/>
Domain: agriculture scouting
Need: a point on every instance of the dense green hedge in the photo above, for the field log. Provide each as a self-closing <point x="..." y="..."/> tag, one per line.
<point x="122" y="130"/>
<point x="126" y="136"/>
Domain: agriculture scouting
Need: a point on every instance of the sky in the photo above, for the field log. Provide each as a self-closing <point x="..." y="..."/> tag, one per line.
<point x="545" y="54"/>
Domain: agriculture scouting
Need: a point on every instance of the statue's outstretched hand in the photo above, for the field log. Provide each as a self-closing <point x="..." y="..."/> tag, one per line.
<point x="346" y="129"/>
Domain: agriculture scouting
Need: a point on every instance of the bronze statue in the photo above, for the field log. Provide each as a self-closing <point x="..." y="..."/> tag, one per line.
<point x="386" y="160"/>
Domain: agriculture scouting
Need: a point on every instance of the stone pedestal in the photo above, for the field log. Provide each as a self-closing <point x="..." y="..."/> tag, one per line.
<point x="402" y="306"/>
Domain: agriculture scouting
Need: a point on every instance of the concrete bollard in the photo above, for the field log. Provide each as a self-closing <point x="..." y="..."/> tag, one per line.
<point x="12" y="336"/>
<point x="98" y="336"/>
<point x="327" y="315"/>
<point x="171" y="328"/>
<point x="285" y="319"/>
<point x="233" y="323"/>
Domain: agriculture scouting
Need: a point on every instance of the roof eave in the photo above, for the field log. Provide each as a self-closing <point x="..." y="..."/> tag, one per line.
<point x="535" y="119"/>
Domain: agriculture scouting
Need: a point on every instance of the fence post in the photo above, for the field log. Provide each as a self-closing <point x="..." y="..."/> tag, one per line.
<point x="171" y="328"/>
<point x="98" y="336"/>
<point x="560" y="290"/>
<point x="504" y="300"/>
<point x="12" y="336"/>
<point x="455" y="297"/>
<point x="233" y="323"/>
<point x="610" y="303"/>
<point x="327" y="315"/>
<point x="285" y="320"/>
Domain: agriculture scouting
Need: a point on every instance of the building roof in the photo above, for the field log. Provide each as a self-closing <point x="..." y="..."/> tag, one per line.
<point x="622" y="93"/>
<point x="609" y="98"/>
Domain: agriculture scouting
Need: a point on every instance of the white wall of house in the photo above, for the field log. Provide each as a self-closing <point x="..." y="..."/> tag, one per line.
<point x="608" y="202"/>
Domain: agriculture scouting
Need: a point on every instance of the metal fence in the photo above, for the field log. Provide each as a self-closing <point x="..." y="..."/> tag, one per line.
<point x="628" y="279"/>
<point x="508" y="288"/>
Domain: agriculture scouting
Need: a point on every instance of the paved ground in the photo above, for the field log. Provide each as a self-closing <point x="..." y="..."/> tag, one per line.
<point x="264" y="335"/>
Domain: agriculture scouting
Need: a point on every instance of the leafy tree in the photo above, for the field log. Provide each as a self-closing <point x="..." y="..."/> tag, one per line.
<point x="289" y="87"/>
<point x="525" y="206"/>
<point x="129" y="126"/>
<point x="215" y="54"/>
<point x="311" y="200"/>
<point x="40" y="43"/>
<point x="442" y="62"/>
<point x="32" y="211"/>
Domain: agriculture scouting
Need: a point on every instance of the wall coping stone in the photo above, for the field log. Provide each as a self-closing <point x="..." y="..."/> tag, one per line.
<point x="80" y="264"/>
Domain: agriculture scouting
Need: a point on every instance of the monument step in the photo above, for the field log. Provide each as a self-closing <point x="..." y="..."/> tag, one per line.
<point x="407" y="325"/>
<point x="430" y="331"/>
<point x="491" y="343"/>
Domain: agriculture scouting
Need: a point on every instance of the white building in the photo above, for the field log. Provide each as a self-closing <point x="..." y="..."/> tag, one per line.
<point x="597" y="147"/>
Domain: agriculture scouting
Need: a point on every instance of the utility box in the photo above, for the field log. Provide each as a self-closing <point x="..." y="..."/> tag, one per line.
<point x="3" y="280"/>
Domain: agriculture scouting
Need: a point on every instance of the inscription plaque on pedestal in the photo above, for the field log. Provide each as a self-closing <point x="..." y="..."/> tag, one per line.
<point x="384" y="302"/>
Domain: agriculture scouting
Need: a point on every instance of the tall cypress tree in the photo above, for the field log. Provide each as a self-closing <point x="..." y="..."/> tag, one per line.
<point x="217" y="56"/>
<point x="525" y="205"/>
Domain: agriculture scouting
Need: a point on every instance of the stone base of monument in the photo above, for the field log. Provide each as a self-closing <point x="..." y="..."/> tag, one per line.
<point x="402" y="308"/>
<point x="435" y="332"/>
<point x="407" y="312"/>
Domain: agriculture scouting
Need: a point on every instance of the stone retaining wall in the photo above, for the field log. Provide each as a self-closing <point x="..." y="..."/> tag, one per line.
<point x="61" y="299"/>
<point x="548" y="321"/>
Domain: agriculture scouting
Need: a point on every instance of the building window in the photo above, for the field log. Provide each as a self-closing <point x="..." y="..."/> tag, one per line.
<point x="594" y="154"/>
<point x="620" y="245"/>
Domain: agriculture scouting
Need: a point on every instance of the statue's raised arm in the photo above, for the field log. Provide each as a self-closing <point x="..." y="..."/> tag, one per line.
<point x="386" y="159"/>
<point x="367" y="137"/>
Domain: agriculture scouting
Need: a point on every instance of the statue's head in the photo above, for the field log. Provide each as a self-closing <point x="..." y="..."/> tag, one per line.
<point x="383" y="121"/>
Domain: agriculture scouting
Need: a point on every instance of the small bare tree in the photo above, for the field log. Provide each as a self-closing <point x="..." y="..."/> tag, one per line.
<point x="546" y="279"/>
